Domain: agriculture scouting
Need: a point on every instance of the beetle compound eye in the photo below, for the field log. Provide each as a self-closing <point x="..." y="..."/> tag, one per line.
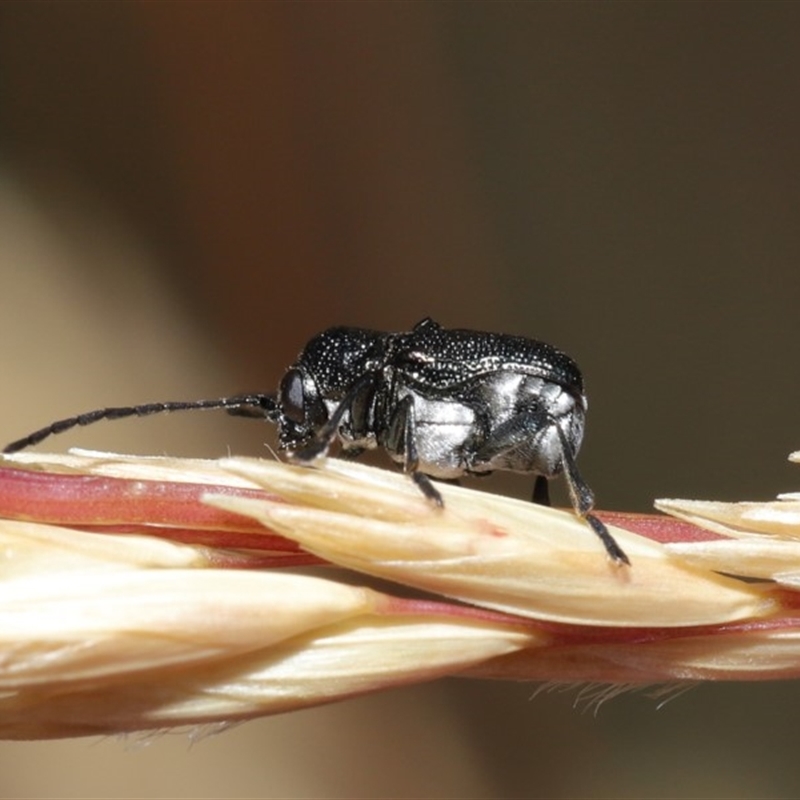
<point x="302" y="410"/>
<point x="292" y="396"/>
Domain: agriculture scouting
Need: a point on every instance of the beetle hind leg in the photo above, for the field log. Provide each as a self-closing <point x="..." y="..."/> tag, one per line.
<point x="616" y="553"/>
<point x="583" y="502"/>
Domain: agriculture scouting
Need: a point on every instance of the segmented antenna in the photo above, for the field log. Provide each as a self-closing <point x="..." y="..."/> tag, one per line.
<point x="251" y="405"/>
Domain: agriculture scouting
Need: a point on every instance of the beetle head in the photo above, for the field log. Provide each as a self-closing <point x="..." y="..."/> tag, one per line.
<point x="302" y="411"/>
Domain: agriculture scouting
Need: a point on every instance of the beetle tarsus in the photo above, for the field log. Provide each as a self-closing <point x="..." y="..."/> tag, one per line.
<point x="427" y="488"/>
<point x="615" y="552"/>
<point x="311" y="452"/>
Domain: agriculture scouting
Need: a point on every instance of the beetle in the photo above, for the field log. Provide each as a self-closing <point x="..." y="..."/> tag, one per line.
<point x="442" y="402"/>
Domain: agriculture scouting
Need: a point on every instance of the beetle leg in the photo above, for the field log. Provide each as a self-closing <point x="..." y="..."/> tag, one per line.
<point x="524" y="428"/>
<point x="513" y="433"/>
<point x="327" y="433"/>
<point x="583" y="502"/>
<point x="579" y="492"/>
<point x="403" y="423"/>
<point x="541" y="491"/>
<point x="350" y="454"/>
<point x="427" y="488"/>
<point x="517" y="431"/>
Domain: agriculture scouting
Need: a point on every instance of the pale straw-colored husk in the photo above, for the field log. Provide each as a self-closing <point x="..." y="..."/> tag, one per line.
<point x="104" y="633"/>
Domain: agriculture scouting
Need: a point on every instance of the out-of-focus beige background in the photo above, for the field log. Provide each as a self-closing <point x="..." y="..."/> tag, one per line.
<point x="188" y="191"/>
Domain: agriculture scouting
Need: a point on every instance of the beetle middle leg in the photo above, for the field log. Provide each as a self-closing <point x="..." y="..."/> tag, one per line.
<point x="403" y="427"/>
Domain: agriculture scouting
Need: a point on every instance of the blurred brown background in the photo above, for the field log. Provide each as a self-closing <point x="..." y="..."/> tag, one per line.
<point x="188" y="191"/>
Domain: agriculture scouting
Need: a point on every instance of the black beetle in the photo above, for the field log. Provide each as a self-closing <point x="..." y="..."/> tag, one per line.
<point x="443" y="403"/>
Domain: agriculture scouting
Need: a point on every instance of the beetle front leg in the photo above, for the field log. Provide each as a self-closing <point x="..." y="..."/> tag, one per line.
<point x="403" y="424"/>
<point x="327" y="433"/>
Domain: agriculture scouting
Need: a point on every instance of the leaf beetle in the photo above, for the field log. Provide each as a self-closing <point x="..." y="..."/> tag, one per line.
<point x="441" y="402"/>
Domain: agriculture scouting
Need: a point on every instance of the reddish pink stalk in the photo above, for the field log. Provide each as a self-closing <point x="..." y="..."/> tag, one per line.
<point x="167" y="509"/>
<point x="175" y="510"/>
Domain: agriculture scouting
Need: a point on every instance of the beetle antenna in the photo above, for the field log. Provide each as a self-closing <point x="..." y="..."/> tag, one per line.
<point x="263" y="406"/>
